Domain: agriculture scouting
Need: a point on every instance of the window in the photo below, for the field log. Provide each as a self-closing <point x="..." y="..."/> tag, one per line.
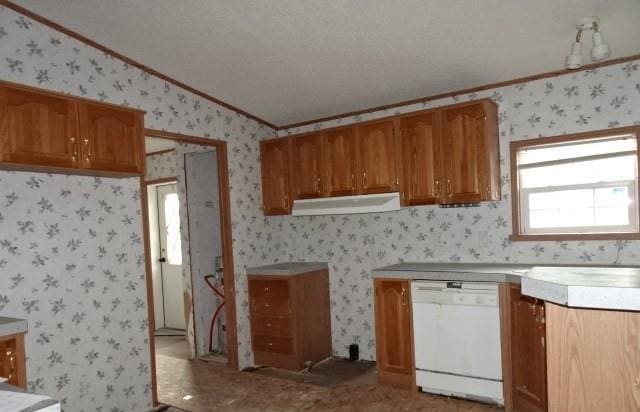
<point x="172" y="219"/>
<point x="580" y="186"/>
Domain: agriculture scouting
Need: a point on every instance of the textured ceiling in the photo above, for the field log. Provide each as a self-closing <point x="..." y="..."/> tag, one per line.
<point x="294" y="60"/>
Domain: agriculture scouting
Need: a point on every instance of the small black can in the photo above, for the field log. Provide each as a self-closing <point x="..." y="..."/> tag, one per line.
<point x="354" y="352"/>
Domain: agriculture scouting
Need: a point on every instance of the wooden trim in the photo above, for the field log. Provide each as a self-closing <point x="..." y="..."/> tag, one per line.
<point x="144" y="210"/>
<point x="504" y="293"/>
<point x="515" y="146"/>
<point x="184" y="138"/>
<point x="426" y="99"/>
<point x="172" y="179"/>
<point x="227" y="233"/>
<point x="129" y="61"/>
<point x="79" y="99"/>
<point x="556" y="237"/>
<point x="159" y="152"/>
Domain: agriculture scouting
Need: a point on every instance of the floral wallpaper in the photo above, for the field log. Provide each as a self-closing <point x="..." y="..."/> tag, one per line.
<point x="36" y="55"/>
<point x="72" y="263"/>
<point x="354" y="244"/>
<point x="161" y="166"/>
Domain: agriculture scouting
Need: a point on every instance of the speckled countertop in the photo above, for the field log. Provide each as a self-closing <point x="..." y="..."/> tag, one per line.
<point x="585" y="287"/>
<point x="11" y="326"/>
<point x="287" y="268"/>
<point x="597" y="287"/>
<point x="469" y="272"/>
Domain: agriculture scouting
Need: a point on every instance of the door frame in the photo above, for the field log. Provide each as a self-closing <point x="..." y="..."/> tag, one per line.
<point x="155" y="184"/>
<point x="227" y="248"/>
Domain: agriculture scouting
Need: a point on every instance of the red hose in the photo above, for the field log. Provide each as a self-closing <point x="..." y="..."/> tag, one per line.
<point x="217" y="312"/>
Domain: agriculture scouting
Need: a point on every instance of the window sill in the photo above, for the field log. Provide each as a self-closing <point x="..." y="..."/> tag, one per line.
<point x="556" y="237"/>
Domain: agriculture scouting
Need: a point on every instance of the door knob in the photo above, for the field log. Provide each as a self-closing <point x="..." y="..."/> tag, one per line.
<point x="162" y="260"/>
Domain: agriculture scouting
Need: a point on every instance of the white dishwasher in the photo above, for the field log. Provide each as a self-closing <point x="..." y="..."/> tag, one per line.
<point x="456" y="332"/>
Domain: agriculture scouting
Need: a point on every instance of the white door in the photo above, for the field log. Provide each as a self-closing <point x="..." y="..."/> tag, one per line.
<point x="171" y="256"/>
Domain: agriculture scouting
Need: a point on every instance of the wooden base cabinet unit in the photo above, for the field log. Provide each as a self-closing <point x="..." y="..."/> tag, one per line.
<point x="394" y="334"/>
<point x="12" y="360"/>
<point x="54" y="132"/>
<point x="290" y="319"/>
<point x="528" y="352"/>
<point x="594" y="359"/>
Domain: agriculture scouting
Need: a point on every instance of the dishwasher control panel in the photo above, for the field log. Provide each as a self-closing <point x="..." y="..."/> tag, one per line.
<point x="455" y="293"/>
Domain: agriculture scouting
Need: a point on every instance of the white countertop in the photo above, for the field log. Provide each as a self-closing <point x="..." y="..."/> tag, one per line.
<point x="596" y="287"/>
<point x="11" y="326"/>
<point x="287" y="268"/>
<point x="585" y="287"/>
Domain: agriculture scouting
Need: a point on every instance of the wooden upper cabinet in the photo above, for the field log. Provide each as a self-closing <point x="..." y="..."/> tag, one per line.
<point x="341" y="173"/>
<point x="111" y="138"/>
<point x="420" y="158"/>
<point x="37" y="129"/>
<point x="394" y="337"/>
<point x="377" y="155"/>
<point x="48" y="131"/>
<point x="529" y="359"/>
<point x="470" y="153"/>
<point x="275" y="176"/>
<point x="306" y="159"/>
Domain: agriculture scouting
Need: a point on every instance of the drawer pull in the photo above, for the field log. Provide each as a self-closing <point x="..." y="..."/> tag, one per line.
<point x="266" y="289"/>
<point x="267" y="305"/>
<point x="268" y="325"/>
<point x="270" y="344"/>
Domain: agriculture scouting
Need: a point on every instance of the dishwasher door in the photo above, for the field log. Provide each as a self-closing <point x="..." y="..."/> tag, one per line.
<point x="457" y="338"/>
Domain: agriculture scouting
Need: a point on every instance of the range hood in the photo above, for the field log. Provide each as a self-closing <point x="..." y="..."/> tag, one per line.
<point x="383" y="202"/>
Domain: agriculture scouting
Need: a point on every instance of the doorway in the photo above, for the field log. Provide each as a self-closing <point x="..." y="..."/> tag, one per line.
<point x="187" y="187"/>
<point x="166" y="253"/>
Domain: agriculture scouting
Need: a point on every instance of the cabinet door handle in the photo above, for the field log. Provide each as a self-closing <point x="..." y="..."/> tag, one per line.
<point x="74" y="144"/>
<point x="88" y="146"/>
<point x="436" y="191"/>
<point x="364" y="179"/>
<point x="449" y="190"/>
<point x="404" y="296"/>
<point x="318" y="185"/>
<point x="353" y="181"/>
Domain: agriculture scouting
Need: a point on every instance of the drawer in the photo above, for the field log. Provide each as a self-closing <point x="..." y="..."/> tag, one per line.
<point x="264" y="288"/>
<point x="272" y="344"/>
<point x="271" y="326"/>
<point x="270" y="306"/>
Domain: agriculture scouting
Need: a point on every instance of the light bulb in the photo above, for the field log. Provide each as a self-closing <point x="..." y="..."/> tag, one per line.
<point x="600" y="49"/>
<point x="574" y="59"/>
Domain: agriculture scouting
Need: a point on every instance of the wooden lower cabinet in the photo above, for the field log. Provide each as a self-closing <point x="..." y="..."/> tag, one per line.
<point x="12" y="360"/>
<point x="394" y="335"/>
<point x="526" y="360"/>
<point x="290" y="319"/>
<point x="594" y="359"/>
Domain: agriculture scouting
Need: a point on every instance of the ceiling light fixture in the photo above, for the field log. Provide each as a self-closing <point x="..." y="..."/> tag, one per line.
<point x="600" y="50"/>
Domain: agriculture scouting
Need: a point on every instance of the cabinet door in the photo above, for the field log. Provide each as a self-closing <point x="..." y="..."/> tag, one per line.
<point x="529" y="360"/>
<point x="394" y="345"/>
<point x="420" y="166"/>
<point x="37" y="128"/>
<point x="275" y="176"/>
<point x="112" y="139"/>
<point x="340" y="162"/>
<point x="464" y="154"/>
<point x="306" y="157"/>
<point x="377" y="150"/>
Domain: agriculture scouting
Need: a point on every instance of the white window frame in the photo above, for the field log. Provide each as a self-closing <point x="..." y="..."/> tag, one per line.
<point x="520" y="207"/>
